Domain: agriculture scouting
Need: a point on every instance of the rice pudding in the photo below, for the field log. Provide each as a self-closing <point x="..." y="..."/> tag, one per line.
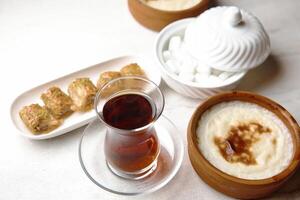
<point x="244" y="140"/>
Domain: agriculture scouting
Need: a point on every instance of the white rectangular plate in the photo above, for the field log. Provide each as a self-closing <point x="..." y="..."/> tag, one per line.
<point x="76" y="120"/>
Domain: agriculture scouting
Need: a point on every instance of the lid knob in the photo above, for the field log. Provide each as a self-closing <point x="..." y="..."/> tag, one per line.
<point x="233" y="16"/>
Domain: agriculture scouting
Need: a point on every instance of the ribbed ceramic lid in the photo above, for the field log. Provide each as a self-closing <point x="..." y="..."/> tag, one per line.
<point x="228" y="39"/>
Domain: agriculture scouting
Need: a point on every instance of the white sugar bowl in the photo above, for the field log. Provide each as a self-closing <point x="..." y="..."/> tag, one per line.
<point x="202" y="56"/>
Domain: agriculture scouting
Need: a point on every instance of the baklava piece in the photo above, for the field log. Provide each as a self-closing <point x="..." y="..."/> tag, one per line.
<point x="132" y="70"/>
<point x="38" y="119"/>
<point x="105" y="77"/>
<point x="57" y="102"/>
<point x="82" y="91"/>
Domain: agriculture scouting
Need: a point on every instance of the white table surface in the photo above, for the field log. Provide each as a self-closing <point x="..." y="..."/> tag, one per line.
<point x="44" y="39"/>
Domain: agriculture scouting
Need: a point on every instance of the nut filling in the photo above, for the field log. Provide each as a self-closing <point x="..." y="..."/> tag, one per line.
<point x="237" y="147"/>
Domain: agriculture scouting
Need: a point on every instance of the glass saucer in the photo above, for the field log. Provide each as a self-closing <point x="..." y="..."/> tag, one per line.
<point x="93" y="163"/>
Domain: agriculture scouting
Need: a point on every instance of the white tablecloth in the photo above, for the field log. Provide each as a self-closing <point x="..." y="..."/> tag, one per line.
<point x="44" y="39"/>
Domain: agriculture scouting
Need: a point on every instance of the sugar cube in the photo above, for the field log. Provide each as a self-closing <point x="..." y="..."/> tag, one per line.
<point x="189" y="66"/>
<point x="202" y="69"/>
<point x="174" y="43"/>
<point x="225" y="75"/>
<point x="201" y="78"/>
<point x="172" y="66"/>
<point x="167" y="55"/>
<point x="185" y="76"/>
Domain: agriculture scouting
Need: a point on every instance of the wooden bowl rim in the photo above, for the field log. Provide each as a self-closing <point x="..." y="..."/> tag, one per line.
<point x="201" y="4"/>
<point x="239" y="95"/>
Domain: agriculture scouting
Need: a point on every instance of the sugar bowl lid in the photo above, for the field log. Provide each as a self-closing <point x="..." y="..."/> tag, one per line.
<point x="228" y="38"/>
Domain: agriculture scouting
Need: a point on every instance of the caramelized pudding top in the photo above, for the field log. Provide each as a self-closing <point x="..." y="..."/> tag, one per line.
<point x="236" y="147"/>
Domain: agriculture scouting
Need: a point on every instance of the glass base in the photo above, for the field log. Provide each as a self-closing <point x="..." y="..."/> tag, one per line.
<point x="135" y="175"/>
<point x="93" y="161"/>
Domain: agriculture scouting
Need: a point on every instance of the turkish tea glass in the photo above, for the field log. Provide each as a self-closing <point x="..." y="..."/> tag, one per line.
<point x="129" y="107"/>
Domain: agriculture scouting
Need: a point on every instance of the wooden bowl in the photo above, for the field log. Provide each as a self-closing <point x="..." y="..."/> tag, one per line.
<point x="230" y="185"/>
<point x="157" y="19"/>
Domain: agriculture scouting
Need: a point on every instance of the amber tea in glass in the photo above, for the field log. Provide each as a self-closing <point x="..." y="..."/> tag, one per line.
<point x="131" y="142"/>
